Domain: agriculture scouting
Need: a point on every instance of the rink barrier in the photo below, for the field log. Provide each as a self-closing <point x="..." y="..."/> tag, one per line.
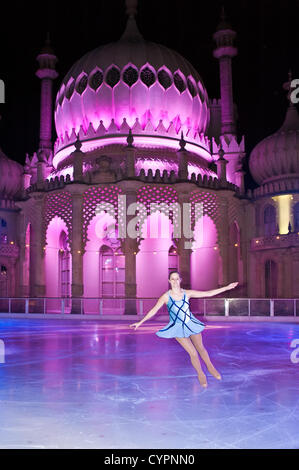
<point x="138" y="307"/>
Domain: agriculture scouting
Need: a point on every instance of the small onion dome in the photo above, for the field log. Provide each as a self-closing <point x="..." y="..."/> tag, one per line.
<point x="10" y="177"/>
<point x="277" y="156"/>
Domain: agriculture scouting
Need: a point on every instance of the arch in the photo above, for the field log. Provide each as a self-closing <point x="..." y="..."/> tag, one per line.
<point x="271" y="277"/>
<point x="64" y="267"/>
<point x="152" y="260"/>
<point x="269" y="220"/>
<point x="205" y="255"/>
<point x="55" y="241"/>
<point x="296" y="217"/>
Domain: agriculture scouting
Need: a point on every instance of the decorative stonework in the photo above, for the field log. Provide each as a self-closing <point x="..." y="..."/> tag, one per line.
<point x="60" y="205"/>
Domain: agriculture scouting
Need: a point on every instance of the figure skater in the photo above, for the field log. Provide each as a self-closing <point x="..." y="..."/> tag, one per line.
<point x="183" y="326"/>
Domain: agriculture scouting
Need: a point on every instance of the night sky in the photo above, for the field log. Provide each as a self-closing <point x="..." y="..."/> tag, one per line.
<point x="267" y="41"/>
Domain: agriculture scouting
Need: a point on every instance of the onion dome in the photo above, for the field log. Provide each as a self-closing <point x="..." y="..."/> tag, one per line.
<point x="277" y="156"/>
<point x="11" y="177"/>
<point x="130" y="84"/>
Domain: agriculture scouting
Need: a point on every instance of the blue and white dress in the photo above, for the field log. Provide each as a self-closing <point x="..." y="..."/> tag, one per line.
<point x="182" y="322"/>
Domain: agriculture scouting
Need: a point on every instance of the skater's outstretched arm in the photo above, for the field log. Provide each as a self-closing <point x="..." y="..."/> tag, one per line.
<point x="162" y="300"/>
<point x="210" y="293"/>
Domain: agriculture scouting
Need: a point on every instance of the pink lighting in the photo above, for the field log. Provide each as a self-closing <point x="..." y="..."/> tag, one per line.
<point x="200" y="148"/>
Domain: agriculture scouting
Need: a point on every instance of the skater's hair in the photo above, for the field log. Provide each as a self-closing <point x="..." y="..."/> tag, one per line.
<point x="173" y="272"/>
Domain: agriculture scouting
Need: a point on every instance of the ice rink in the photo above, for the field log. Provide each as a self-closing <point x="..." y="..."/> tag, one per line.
<point x="98" y="384"/>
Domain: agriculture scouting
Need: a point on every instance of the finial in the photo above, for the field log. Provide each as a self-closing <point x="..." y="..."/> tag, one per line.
<point x="130" y="139"/>
<point x="131" y="7"/>
<point x="182" y="142"/>
<point x="287" y="86"/>
<point x="131" y="32"/>
<point x="224" y="23"/>
<point x="221" y="153"/>
<point x="78" y="144"/>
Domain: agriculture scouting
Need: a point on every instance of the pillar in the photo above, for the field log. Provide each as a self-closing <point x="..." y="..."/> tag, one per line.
<point x="130" y="250"/>
<point x="77" y="252"/>
<point x="37" y="252"/>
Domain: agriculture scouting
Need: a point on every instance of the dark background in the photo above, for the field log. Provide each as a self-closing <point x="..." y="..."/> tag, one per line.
<point x="267" y="41"/>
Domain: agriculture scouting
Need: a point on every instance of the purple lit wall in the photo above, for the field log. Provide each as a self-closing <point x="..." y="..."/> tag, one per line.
<point x="205" y="258"/>
<point x="54" y="230"/>
<point x="152" y="259"/>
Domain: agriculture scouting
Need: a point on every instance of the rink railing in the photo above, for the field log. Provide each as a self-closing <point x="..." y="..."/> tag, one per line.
<point x="225" y="307"/>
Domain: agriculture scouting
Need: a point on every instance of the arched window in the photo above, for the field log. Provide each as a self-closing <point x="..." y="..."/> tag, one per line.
<point x="269" y="221"/>
<point x="270" y="279"/>
<point x="296" y="217"/>
<point x="64" y="268"/>
<point x="3" y="282"/>
<point x="112" y="273"/>
<point x="172" y="259"/>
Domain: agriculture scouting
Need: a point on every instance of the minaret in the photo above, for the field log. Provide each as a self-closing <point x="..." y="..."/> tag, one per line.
<point x="47" y="73"/>
<point x="224" y="51"/>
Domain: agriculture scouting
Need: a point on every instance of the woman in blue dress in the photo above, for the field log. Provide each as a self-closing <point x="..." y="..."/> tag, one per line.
<point x="183" y="326"/>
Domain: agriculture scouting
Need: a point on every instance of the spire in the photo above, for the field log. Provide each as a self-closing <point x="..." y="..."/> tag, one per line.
<point x="182" y="142"/>
<point x="223" y="24"/>
<point x="131" y="32"/>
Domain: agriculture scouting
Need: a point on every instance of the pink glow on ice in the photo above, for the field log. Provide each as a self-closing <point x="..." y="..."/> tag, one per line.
<point x="139" y="141"/>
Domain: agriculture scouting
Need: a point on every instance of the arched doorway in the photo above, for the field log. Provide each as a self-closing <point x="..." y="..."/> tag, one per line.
<point x="64" y="267"/>
<point x="112" y="273"/>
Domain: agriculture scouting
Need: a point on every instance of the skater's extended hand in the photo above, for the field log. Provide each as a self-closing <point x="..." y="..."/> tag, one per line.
<point x="232" y="285"/>
<point x="135" y="325"/>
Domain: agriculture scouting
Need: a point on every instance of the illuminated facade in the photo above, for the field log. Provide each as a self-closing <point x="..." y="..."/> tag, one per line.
<point x="135" y="125"/>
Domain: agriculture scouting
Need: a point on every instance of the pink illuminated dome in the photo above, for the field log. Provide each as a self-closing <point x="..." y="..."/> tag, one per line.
<point x="131" y="84"/>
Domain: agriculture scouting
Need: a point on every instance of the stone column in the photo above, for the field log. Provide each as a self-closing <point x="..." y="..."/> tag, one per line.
<point x="184" y="242"/>
<point x="223" y="237"/>
<point x="77" y="252"/>
<point x="130" y="250"/>
<point x="37" y="250"/>
<point x="20" y="287"/>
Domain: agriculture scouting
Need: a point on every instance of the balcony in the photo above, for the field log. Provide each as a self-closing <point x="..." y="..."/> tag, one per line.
<point x="287" y="240"/>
